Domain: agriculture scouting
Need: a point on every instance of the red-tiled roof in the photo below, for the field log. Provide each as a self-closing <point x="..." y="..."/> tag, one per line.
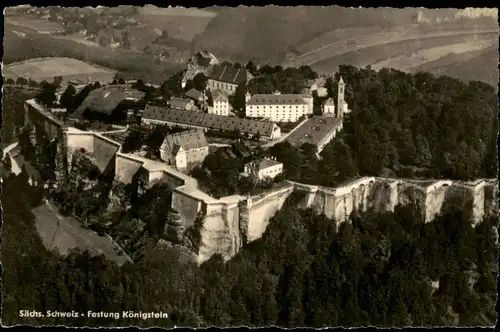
<point x="211" y="121"/>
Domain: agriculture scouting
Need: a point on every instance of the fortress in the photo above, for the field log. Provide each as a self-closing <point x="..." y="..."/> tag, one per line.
<point x="230" y="222"/>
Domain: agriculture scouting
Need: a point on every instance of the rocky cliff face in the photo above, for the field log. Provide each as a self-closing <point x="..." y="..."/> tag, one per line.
<point x="227" y="227"/>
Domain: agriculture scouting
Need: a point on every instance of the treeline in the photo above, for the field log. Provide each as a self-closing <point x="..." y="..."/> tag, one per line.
<point x="404" y="125"/>
<point x="417" y="124"/>
<point x="387" y="270"/>
<point x="12" y="118"/>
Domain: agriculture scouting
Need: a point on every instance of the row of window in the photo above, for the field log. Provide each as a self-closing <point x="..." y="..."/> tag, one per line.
<point x="226" y="86"/>
<point x="277" y="106"/>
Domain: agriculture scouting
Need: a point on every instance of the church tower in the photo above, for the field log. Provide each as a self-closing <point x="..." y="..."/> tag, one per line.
<point x="340" y="98"/>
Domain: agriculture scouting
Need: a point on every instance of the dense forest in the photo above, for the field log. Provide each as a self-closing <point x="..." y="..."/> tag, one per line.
<point x="404" y="125"/>
<point x="385" y="270"/>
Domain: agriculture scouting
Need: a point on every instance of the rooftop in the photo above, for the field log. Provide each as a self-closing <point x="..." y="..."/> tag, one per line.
<point x="211" y="121"/>
<point x="106" y="99"/>
<point x="177" y="102"/>
<point x="263" y="163"/>
<point x="313" y="131"/>
<point x="229" y="74"/>
<point x="195" y="94"/>
<point x="188" y="140"/>
<point x="274" y="99"/>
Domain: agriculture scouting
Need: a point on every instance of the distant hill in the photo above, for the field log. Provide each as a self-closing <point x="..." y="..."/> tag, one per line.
<point x="181" y="23"/>
<point x="324" y="37"/>
<point x="267" y="33"/>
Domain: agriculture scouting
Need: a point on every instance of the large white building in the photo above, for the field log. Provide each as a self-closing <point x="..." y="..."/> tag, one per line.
<point x="220" y="104"/>
<point x="278" y="107"/>
<point x="264" y="168"/>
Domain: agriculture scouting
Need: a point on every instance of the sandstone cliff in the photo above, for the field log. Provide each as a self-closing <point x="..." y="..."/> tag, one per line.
<point x="226" y="227"/>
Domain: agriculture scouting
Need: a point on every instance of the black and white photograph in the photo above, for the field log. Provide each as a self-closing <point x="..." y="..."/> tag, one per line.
<point x="301" y="166"/>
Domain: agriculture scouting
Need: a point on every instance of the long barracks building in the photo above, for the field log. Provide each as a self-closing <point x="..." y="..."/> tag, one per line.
<point x="192" y="119"/>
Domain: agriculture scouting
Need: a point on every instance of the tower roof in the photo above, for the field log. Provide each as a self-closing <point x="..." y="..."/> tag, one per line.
<point x="341" y="81"/>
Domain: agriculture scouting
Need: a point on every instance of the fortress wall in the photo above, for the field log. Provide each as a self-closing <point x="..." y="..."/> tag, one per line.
<point x="126" y="168"/>
<point x="436" y="198"/>
<point x="221" y="233"/>
<point x="104" y="151"/>
<point x="187" y="205"/>
<point x="262" y="208"/>
<point x="76" y="141"/>
<point x="491" y="197"/>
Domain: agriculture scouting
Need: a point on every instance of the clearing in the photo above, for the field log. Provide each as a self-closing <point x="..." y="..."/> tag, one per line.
<point x="47" y="68"/>
<point x="406" y="62"/>
<point x="66" y="233"/>
<point x="38" y="25"/>
<point x="376" y="54"/>
<point x="181" y="23"/>
<point x="395" y="35"/>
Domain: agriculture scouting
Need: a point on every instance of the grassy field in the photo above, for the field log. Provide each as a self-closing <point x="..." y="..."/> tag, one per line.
<point x="65" y="233"/>
<point x="376" y="54"/>
<point x="36" y="24"/>
<point x="471" y="66"/>
<point x="181" y="23"/>
<point x="47" y="68"/>
<point x="129" y="63"/>
<point x="408" y="61"/>
<point x="395" y="35"/>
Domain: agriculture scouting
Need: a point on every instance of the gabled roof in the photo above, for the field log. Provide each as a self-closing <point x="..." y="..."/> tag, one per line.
<point x="195" y="94"/>
<point x="229" y="74"/>
<point x="313" y="131"/>
<point x="104" y="100"/>
<point x="211" y="121"/>
<point x="330" y="101"/>
<point x="242" y="148"/>
<point x="203" y="59"/>
<point x="262" y="164"/>
<point x="219" y="96"/>
<point x="274" y="99"/>
<point x="179" y="103"/>
<point x="188" y="140"/>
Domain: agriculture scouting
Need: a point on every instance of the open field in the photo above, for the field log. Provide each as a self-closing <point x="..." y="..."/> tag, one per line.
<point x="408" y="61"/>
<point x="471" y="66"/>
<point x="39" y="25"/>
<point x="181" y="23"/>
<point x="131" y="64"/>
<point x="66" y="233"/>
<point x="375" y="54"/>
<point x="47" y="68"/>
<point x="395" y="35"/>
<point x="78" y="38"/>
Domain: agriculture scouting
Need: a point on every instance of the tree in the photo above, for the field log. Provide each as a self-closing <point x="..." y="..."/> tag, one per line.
<point x="126" y="40"/>
<point x="68" y="98"/>
<point x="121" y="81"/>
<point x="104" y="40"/>
<point x="21" y="81"/>
<point x="200" y="82"/>
<point x="47" y="96"/>
<point x="57" y="81"/>
<point x="9" y="81"/>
